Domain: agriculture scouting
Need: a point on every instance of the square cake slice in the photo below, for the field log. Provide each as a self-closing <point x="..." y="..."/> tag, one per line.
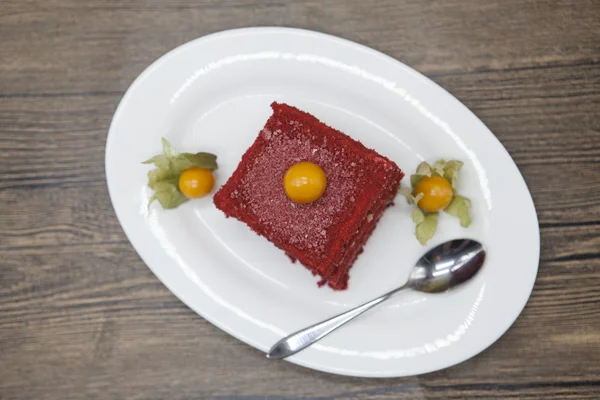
<point x="327" y="235"/>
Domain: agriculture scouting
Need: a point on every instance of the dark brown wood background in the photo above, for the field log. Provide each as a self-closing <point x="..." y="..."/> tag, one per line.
<point x="81" y="317"/>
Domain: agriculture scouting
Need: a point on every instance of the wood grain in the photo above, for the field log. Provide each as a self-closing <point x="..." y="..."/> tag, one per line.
<point x="81" y="317"/>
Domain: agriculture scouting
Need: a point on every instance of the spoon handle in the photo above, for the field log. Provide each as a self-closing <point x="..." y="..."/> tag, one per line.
<point x="307" y="336"/>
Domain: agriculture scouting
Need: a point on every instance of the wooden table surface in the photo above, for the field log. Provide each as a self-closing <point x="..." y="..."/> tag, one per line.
<point x="82" y="317"/>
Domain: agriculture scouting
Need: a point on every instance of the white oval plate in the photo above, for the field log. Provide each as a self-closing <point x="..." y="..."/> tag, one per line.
<point x="213" y="94"/>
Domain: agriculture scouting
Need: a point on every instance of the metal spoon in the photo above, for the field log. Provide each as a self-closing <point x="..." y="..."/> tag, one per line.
<point x="440" y="269"/>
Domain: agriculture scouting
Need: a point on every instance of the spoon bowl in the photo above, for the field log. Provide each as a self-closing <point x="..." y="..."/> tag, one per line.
<point x="440" y="269"/>
<point x="446" y="266"/>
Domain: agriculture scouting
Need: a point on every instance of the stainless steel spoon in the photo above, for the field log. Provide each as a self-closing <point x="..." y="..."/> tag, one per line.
<point x="440" y="269"/>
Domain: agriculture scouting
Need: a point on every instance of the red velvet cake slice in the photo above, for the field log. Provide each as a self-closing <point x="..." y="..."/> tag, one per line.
<point x="328" y="234"/>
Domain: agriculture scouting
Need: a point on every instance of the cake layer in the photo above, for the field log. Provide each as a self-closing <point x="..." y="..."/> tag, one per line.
<point x="338" y="278"/>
